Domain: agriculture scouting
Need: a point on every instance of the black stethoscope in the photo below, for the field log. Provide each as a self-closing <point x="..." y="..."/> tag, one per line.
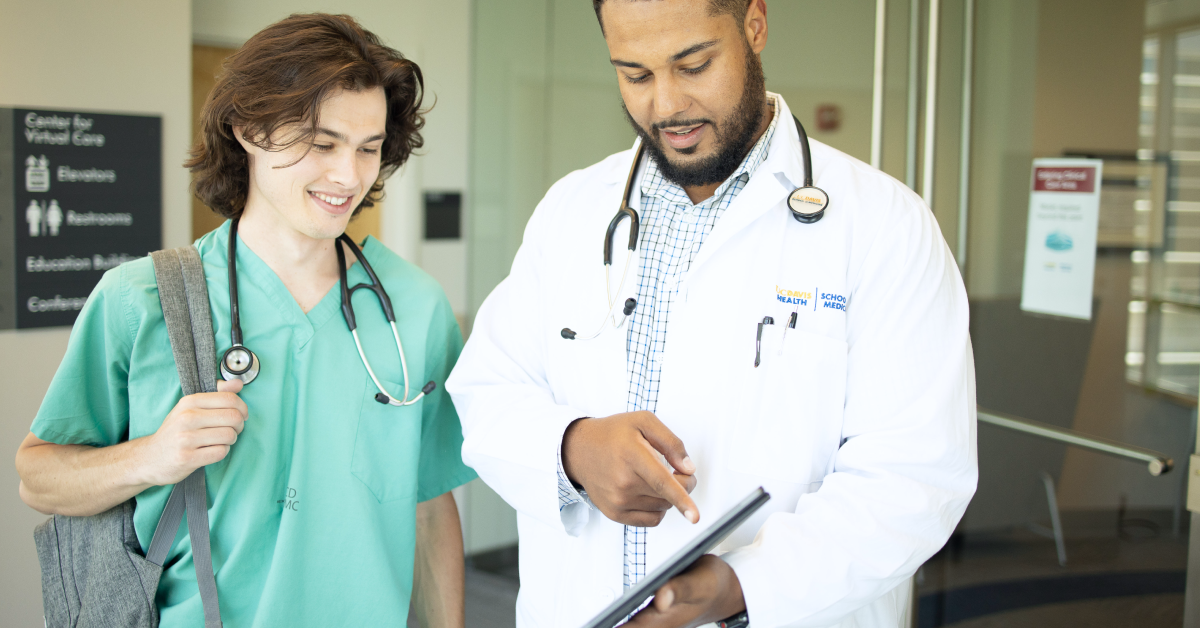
<point x="241" y="363"/>
<point x="806" y="202"/>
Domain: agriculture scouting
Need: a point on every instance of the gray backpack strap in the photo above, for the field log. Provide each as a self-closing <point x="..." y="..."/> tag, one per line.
<point x="184" y="296"/>
<point x="168" y="525"/>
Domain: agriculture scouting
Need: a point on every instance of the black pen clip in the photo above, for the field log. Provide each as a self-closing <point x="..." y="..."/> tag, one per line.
<point x="767" y="320"/>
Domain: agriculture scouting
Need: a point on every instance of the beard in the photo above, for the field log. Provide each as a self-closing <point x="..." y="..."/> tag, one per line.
<point x="733" y="136"/>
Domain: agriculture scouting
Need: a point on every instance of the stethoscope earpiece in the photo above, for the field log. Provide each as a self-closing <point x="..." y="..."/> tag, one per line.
<point x="387" y="399"/>
<point x="630" y="304"/>
<point x="808" y="204"/>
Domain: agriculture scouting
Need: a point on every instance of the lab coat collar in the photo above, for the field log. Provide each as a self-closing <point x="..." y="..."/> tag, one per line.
<point x="781" y="172"/>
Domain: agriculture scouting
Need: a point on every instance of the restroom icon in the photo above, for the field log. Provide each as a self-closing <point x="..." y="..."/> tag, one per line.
<point x="43" y="219"/>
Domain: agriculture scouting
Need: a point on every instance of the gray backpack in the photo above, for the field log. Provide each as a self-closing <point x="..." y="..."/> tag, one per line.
<point x="93" y="571"/>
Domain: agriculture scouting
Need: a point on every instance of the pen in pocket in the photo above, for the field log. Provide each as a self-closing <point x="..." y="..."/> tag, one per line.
<point x="767" y="320"/>
<point x="791" y="324"/>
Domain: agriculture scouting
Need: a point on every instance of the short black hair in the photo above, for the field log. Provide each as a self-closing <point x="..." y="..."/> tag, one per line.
<point x="736" y="8"/>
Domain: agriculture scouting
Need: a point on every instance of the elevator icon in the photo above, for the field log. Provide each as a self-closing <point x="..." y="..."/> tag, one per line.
<point x="37" y="174"/>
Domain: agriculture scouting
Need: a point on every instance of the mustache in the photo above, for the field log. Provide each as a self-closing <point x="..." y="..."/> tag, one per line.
<point x="659" y="126"/>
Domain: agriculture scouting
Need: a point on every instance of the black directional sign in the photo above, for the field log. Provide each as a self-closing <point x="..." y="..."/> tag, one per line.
<point x="80" y="193"/>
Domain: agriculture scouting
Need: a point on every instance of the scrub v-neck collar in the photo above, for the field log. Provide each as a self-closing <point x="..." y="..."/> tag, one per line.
<point x="251" y="267"/>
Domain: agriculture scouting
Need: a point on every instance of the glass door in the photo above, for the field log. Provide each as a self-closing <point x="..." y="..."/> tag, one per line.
<point x="1084" y="406"/>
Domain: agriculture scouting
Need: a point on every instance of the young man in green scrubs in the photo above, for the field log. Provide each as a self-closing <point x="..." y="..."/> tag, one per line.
<point x="326" y="507"/>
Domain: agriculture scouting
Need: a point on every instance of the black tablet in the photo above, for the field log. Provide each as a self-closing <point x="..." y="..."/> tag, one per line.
<point x="688" y="554"/>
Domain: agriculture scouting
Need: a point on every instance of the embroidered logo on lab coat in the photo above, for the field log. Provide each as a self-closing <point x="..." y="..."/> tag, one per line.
<point x="801" y="298"/>
<point x="814" y="299"/>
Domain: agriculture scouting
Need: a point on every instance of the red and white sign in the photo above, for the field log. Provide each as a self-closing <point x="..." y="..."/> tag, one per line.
<point x="1060" y="237"/>
<point x="1064" y="179"/>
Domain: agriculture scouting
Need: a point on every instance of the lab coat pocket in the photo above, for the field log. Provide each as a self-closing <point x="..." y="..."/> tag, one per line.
<point x="387" y="445"/>
<point x="789" y="423"/>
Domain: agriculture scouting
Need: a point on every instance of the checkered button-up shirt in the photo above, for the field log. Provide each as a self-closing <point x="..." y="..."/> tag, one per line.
<point x="672" y="232"/>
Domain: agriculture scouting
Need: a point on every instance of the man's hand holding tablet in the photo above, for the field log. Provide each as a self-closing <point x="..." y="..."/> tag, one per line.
<point x="708" y="591"/>
<point x="691" y="588"/>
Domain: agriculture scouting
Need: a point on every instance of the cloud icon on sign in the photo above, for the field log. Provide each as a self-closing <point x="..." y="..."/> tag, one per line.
<point x="1059" y="241"/>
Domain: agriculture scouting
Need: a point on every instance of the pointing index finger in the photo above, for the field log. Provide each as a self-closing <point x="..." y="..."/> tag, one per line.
<point x="663" y="481"/>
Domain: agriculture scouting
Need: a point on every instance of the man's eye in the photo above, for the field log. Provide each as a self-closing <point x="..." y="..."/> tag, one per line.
<point x="370" y="151"/>
<point x="698" y="69"/>
<point x="636" y="79"/>
<point x="322" y="148"/>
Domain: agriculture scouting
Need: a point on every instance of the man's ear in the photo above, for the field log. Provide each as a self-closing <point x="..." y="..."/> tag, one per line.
<point x="238" y="131"/>
<point x="756" y="25"/>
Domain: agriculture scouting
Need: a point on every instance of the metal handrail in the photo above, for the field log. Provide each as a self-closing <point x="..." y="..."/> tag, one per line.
<point x="1158" y="463"/>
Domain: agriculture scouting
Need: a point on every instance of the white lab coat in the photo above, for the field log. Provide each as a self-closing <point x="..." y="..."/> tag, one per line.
<point x="860" y="422"/>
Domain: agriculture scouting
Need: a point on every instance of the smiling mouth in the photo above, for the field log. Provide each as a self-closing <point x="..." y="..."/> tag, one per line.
<point x="336" y="201"/>
<point x="683" y="138"/>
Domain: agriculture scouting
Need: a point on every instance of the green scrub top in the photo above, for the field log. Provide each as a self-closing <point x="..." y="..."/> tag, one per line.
<point x="313" y="510"/>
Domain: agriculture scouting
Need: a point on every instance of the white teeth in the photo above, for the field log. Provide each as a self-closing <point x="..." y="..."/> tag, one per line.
<point x="332" y="200"/>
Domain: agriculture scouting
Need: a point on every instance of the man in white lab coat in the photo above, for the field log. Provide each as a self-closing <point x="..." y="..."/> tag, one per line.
<point x="827" y="361"/>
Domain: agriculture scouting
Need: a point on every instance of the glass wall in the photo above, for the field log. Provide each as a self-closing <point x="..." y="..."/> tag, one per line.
<point x="1072" y="78"/>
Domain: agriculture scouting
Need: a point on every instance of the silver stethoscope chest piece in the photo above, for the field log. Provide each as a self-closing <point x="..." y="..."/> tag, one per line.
<point x="808" y="203"/>
<point x="239" y="363"/>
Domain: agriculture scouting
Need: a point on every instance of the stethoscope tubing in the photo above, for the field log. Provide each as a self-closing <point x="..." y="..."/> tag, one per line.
<point x="386" y="304"/>
<point x="392" y="401"/>
<point x="248" y="373"/>
<point x="612" y="302"/>
<point x="627" y="212"/>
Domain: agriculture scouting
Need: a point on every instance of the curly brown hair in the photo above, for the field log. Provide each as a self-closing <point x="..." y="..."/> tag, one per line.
<point x="279" y="78"/>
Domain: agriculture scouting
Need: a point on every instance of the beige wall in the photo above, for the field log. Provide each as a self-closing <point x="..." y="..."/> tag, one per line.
<point x="832" y="63"/>
<point x="131" y="56"/>
<point x="1088" y="76"/>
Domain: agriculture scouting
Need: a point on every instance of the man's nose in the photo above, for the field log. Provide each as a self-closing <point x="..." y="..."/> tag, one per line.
<point x="669" y="99"/>
<point x="343" y="168"/>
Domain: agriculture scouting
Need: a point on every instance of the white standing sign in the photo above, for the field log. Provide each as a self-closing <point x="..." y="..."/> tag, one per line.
<point x="1060" y="240"/>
